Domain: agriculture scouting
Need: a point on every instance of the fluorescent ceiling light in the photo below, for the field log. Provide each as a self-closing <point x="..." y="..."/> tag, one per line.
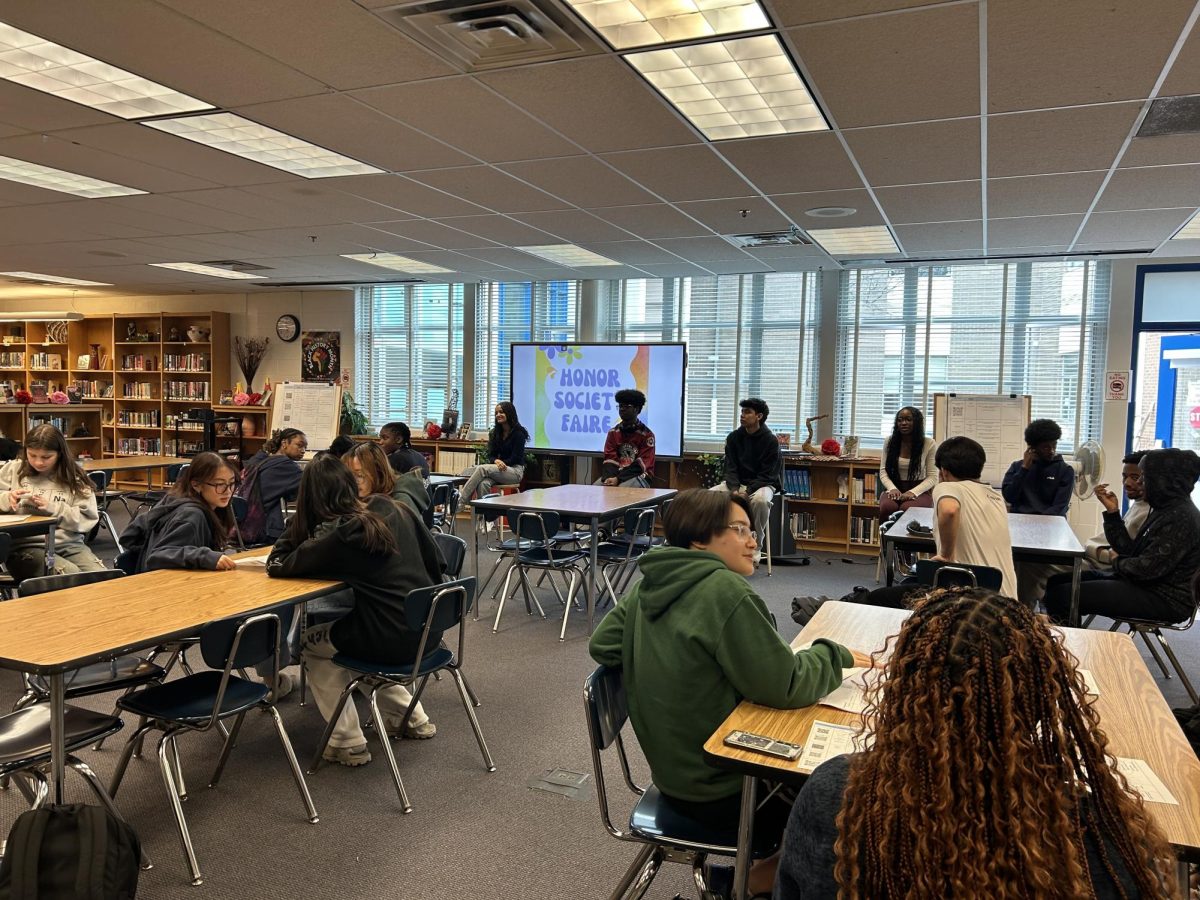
<point x="54" y="279"/>
<point x="868" y="239"/>
<point x="199" y="269"/>
<point x="569" y="255"/>
<point x="41" y="316"/>
<point x="57" y="180"/>
<point x="643" y="22"/>
<point x="733" y="89"/>
<point x="1189" y="232"/>
<point x="46" y="66"/>
<point x="241" y="137"/>
<point x="397" y="263"/>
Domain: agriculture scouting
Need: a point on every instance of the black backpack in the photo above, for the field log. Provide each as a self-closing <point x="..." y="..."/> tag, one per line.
<point x="72" y="852"/>
<point x="253" y="527"/>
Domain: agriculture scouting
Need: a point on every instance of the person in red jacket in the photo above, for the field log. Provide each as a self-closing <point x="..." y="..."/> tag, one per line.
<point x="629" y="447"/>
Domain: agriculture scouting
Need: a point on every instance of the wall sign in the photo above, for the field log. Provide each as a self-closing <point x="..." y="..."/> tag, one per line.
<point x="320" y="356"/>
<point x="1116" y="385"/>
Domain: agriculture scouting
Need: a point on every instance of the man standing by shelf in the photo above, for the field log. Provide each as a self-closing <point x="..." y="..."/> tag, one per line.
<point x="629" y="447"/>
<point x="753" y="463"/>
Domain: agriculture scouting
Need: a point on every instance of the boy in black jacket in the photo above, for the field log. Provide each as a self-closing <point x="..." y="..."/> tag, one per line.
<point x="753" y="463"/>
<point x="1039" y="482"/>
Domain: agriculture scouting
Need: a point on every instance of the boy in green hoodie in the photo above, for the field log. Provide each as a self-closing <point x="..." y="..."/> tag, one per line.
<point x="693" y="641"/>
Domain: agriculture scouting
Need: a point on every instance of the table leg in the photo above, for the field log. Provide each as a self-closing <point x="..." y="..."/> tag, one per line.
<point x="595" y="561"/>
<point x="889" y="562"/>
<point x="1076" y="572"/>
<point x="475" y="517"/>
<point x="1181" y="877"/>
<point x="745" y="839"/>
<point x="50" y="551"/>
<point x="58" y="750"/>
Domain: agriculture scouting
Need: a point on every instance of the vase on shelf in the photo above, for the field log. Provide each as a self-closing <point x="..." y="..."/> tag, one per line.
<point x="248" y="426"/>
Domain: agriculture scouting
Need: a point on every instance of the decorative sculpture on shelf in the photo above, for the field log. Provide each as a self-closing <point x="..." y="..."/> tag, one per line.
<point x="808" y="446"/>
<point x="450" y="415"/>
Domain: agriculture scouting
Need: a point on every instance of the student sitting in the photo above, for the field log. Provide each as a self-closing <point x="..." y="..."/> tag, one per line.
<point x="381" y="550"/>
<point x="272" y="478"/>
<point x="753" y="464"/>
<point x="1152" y="573"/>
<point x="374" y="475"/>
<point x="339" y="446"/>
<point x="395" y="440"/>
<point x="694" y="640"/>
<point x="1099" y="552"/>
<point x="629" y="447"/>
<point x="45" y="481"/>
<point x="970" y="525"/>
<point x="505" y="449"/>
<point x="1039" y="482"/>
<point x="906" y="466"/>
<point x="989" y="776"/>
<point x="189" y="528"/>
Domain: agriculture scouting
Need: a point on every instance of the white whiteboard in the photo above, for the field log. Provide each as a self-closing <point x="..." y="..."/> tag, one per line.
<point x="314" y="408"/>
<point x="996" y="421"/>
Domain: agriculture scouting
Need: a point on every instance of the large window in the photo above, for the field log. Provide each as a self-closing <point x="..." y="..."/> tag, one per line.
<point x="1037" y="328"/>
<point x="408" y="351"/>
<point x="746" y="335"/>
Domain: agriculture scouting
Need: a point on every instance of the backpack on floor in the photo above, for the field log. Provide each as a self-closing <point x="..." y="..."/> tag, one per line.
<point x="72" y="852"/>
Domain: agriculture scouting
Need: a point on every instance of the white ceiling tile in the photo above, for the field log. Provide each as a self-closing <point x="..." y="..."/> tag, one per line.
<point x="634" y="253"/>
<point x="737" y="216"/>
<point x="1032" y="231"/>
<point x="800" y="12"/>
<point x="702" y="249"/>
<point x="676" y="270"/>
<point x="656" y="220"/>
<point x="796" y="206"/>
<point x="1060" y="140"/>
<point x="940" y="237"/>
<point x="1160" y="187"/>
<point x="573" y="226"/>
<point x="681" y="173"/>
<point x="918" y="154"/>
<point x="582" y="180"/>
<point x="490" y="188"/>
<point x="63" y="154"/>
<point x="434" y="234"/>
<point x="501" y="229"/>
<point x="942" y="202"/>
<point x="792" y="164"/>
<point x="1134" y="229"/>
<point x="405" y="195"/>
<point x="1040" y="195"/>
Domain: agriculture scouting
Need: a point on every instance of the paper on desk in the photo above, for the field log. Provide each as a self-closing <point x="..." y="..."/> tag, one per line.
<point x="1142" y="780"/>
<point x="850" y="695"/>
<point x="251" y="562"/>
<point x="1090" y="683"/>
<point x="825" y="741"/>
<point x="12" y="519"/>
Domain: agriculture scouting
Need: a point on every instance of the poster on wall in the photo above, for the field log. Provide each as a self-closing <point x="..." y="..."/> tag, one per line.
<point x="320" y="356"/>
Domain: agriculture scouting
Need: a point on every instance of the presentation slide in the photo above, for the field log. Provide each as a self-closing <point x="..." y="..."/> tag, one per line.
<point x="564" y="392"/>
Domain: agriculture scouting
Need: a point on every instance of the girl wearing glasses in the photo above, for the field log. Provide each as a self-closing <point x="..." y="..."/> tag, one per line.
<point x="45" y="481"/>
<point x="694" y="640"/>
<point x="189" y="528"/>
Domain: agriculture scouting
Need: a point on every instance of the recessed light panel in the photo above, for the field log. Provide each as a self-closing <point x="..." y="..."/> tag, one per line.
<point x="1189" y="232"/>
<point x="241" y="137"/>
<point x="569" y="255"/>
<point x="198" y="269"/>
<point x="397" y="263"/>
<point x="868" y="239"/>
<point x="640" y="23"/>
<point x="54" y="279"/>
<point x="57" y="180"/>
<point x="737" y="88"/>
<point x="46" y="66"/>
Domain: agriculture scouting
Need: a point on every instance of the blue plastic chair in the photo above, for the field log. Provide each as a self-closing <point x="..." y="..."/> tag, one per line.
<point x="943" y="574"/>
<point x="623" y="555"/>
<point x="535" y="528"/>
<point x="200" y="701"/>
<point x="439" y="608"/>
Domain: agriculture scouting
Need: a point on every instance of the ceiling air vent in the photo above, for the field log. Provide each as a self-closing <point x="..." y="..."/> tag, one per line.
<point x="1172" y="115"/>
<point x="793" y="237"/>
<point x="482" y="35"/>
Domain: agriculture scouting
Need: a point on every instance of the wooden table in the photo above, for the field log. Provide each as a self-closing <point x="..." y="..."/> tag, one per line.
<point x="436" y="478"/>
<point x="587" y="502"/>
<point x="133" y="463"/>
<point x="1133" y="713"/>
<point x="53" y="633"/>
<point x="35" y="525"/>
<point x="1034" y="539"/>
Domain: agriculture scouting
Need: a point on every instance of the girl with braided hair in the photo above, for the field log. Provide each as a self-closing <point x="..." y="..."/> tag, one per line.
<point x="988" y="776"/>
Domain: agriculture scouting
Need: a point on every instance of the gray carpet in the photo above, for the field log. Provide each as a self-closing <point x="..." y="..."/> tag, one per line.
<point x="471" y="834"/>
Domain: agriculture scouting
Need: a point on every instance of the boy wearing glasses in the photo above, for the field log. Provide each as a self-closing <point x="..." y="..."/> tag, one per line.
<point x="629" y="447"/>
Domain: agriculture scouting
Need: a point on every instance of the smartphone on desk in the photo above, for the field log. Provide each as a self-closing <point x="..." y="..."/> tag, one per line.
<point x="746" y="740"/>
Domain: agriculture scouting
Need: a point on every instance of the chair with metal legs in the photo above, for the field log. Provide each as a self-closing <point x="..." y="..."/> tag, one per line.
<point x="621" y="557"/>
<point x="200" y="701"/>
<point x="1147" y="627"/>
<point x="536" y="527"/>
<point x="100" y="480"/>
<point x="437" y="608"/>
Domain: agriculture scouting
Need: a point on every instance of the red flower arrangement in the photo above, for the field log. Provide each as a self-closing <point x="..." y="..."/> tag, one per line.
<point x="831" y="447"/>
<point x="23" y="396"/>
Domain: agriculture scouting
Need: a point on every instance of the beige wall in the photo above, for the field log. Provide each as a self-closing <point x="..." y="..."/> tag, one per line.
<point x="251" y="315"/>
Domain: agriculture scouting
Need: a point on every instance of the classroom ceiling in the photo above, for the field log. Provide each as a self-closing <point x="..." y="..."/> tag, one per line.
<point x="969" y="129"/>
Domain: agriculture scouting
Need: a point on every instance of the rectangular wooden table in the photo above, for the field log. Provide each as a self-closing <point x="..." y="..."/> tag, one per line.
<point x="1034" y="539"/>
<point x="34" y="525"/>
<point x="592" y="503"/>
<point x="1133" y="713"/>
<point x="133" y="463"/>
<point x="53" y="633"/>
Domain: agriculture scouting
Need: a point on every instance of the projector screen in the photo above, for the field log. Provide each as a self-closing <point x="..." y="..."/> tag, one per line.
<point x="564" y="392"/>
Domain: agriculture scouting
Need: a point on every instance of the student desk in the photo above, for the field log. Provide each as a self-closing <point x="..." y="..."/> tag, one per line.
<point x="436" y="478"/>
<point x="1034" y="539"/>
<point x="133" y="463"/>
<point x="587" y="502"/>
<point x="30" y="526"/>
<point x="1133" y="713"/>
<point x="49" y="634"/>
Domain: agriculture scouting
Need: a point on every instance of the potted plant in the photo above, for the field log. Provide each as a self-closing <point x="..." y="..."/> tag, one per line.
<point x="712" y="469"/>
<point x="354" y="420"/>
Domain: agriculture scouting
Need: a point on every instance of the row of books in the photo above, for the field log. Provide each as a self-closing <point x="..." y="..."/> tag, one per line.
<point x="140" y="446"/>
<point x="173" y="421"/>
<point x="45" y="361"/>
<point x="865" y="487"/>
<point x="95" y="390"/>
<point x="186" y="390"/>
<point x="186" y="362"/>
<point x="149" y="418"/>
<point x="864" y="529"/>
<point x="184" y="448"/>
<point x="138" y="390"/>
<point x="804" y="526"/>
<point x="11" y="360"/>
<point x="798" y="483"/>
<point x="59" y="422"/>
<point x="138" y="362"/>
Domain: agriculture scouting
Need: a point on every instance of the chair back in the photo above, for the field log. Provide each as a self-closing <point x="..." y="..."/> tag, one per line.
<point x="490" y="515"/>
<point x="46" y="583"/>
<point x="640" y="522"/>
<point x="245" y="640"/>
<point x="5" y="545"/>
<point x="607" y="711"/>
<point x="439" y="607"/>
<point x="941" y="574"/>
<point x="174" y="471"/>
<point x="440" y="494"/>
<point x="454" y="552"/>
<point x="100" y="479"/>
<point x="533" y="525"/>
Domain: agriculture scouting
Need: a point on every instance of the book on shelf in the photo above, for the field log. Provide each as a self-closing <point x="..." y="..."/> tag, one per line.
<point x="804" y="526"/>
<point x="38" y="390"/>
<point x="798" y="483"/>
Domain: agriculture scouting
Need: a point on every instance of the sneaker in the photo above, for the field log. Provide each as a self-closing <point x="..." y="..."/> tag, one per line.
<point x="347" y="756"/>
<point x="422" y="732"/>
<point x="285" y="686"/>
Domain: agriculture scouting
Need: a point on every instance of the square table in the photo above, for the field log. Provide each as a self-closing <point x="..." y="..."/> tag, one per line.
<point x="1034" y="539"/>
<point x="1133" y="714"/>
<point x="51" y="634"/>
<point x="589" y="502"/>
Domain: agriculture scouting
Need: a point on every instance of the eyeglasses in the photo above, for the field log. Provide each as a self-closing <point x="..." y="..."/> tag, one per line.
<point x="222" y="487"/>
<point x="743" y="530"/>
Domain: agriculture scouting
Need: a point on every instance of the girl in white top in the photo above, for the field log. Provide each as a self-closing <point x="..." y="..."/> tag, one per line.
<point x="45" y="481"/>
<point x="906" y="467"/>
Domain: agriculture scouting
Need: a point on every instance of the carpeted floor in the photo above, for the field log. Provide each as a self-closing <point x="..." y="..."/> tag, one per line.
<point x="471" y="834"/>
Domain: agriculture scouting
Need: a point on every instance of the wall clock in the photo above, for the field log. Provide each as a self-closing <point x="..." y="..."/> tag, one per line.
<point x="288" y="328"/>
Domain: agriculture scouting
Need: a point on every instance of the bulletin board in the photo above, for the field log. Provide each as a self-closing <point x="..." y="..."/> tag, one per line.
<point x="313" y="407"/>
<point x="996" y="421"/>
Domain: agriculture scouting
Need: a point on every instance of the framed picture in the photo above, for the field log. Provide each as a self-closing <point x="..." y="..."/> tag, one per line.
<point x="226" y="398"/>
<point x="320" y="356"/>
<point x="38" y="390"/>
<point x="74" y="395"/>
<point x="84" y="361"/>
